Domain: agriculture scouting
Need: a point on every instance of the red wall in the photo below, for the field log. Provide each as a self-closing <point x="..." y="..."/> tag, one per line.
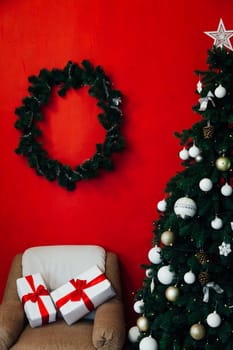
<point x="150" y="49"/>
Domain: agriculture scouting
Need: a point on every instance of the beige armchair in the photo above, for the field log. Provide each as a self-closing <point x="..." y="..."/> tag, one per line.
<point x="105" y="332"/>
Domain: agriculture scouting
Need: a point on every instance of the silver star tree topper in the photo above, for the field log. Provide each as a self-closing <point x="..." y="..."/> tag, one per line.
<point x="221" y="36"/>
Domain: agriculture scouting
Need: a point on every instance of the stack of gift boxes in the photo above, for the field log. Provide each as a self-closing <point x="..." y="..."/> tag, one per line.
<point x="73" y="300"/>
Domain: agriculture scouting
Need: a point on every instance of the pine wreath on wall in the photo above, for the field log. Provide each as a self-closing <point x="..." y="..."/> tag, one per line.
<point x="29" y="114"/>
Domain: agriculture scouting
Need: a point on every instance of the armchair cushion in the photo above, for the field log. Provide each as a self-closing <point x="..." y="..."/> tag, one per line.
<point x="59" y="264"/>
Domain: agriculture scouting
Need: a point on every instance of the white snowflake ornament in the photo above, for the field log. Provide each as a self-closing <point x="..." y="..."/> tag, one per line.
<point x="224" y="249"/>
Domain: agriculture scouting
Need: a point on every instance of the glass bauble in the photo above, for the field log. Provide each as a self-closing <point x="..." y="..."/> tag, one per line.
<point x="223" y="163"/>
<point x="213" y="320"/>
<point x="185" y="207"/>
<point x="197" y="331"/>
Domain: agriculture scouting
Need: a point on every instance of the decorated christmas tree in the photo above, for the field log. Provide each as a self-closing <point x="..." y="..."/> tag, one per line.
<point x="186" y="300"/>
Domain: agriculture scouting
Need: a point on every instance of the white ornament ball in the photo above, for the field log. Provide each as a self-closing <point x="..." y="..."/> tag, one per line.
<point x="214" y="320"/>
<point x="226" y="190"/>
<point x="220" y="91"/>
<point x="154" y="255"/>
<point x="139" y="306"/>
<point x="185" y="207"/>
<point x="206" y="184"/>
<point x="149" y="273"/>
<point x="148" y="343"/>
<point x="189" y="277"/>
<point x="194" y="151"/>
<point x="217" y="223"/>
<point x="133" y="334"/>
<point x="165" y="276"/>
<point x="184" y="154"/>
<point x="162" y="205"/>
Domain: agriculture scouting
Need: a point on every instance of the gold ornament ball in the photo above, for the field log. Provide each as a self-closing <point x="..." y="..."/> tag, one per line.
<point x="197" y="331"/>
<point x="172" y="293"/>
<point x="143" y="324"/>
<point x="167" y="238"/>
<point x="223" y="163"/>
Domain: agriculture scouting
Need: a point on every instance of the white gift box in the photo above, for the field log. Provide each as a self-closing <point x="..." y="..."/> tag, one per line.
<point x="83" y="294"/>
<point x="38" y="305"/>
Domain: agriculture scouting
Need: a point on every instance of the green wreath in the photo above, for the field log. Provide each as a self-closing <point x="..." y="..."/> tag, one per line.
<point x="109" y="100"/>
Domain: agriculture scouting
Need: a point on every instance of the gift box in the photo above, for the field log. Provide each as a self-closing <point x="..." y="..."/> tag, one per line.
<point x="38" y="305"/>
<point x="82" y="295"/>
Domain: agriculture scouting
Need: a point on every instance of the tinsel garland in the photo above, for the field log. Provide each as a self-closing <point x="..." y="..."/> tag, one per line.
<point x="30" y="113"/>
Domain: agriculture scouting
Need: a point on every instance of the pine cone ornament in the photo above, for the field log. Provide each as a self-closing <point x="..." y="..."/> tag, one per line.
<point x="202" y="258"/>
<point x="203" y="278"/>
<point x="208" y="131"/>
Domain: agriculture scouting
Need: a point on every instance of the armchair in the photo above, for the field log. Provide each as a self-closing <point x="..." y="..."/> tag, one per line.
<point x="105" y="331"/>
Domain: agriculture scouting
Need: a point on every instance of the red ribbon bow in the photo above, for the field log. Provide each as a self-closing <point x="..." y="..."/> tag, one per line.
<point x="35" y="297"/>
<point x="78" y="293"/>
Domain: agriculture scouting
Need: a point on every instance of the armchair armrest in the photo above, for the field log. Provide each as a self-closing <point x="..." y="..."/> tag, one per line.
<point x="12" y="321"/>
<point x="109" y="326"/>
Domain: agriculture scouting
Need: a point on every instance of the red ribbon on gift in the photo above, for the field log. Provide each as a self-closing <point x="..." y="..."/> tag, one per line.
<point x="78" y="293"/>
<point x="35" y="297"/>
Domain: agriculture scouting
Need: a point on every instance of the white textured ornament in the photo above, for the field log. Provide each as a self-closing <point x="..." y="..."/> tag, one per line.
<point x="133" y="334"/>
<point x="221" y="36"/>
<point x="154" y="255"/>
<point x="148" y="343"/>
<point x="184" y="154"/>
<point x="206" y="184"/>
<point x="214" y="320"/>
<point x="217" y="223"/>
<point x="185" y="207"/>
<point x="165" y="276"/>
<point x="194" y="151"/>
<point x="226" y="190"/>
<point x="152" y="285"/>
<point x="138" y="306"/>
<point x="162" y="205"/>
<point x="225" y="249"/>
<point x="220" y="91"/>
<point x="189" y="277"/>
<point x="199" y="86"/>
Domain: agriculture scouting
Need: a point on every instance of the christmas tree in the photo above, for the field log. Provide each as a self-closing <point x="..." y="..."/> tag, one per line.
<point x="186" y="301"/>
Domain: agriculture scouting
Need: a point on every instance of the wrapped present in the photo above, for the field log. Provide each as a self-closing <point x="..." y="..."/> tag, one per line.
<point x="38" y="305"/>
<point x="82" y="295"/>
